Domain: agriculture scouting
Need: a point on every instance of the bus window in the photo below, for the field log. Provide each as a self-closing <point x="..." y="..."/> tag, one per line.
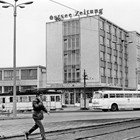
<point x="20" y="99"/>
<point x="3" y="100"/>
<point x="105" y="95"/>
<point x="52" y="99"/>
<point x="97" y="95"/>
<point x="29" y="98"/>
<point x="119" y="95"/>
<point x="57" y="98"/>
<point x="11" y="99"/>
<point x="44" y="98"/>
<point x="32" y="98"/>
<point x="24" y="99"/>
<point x="136" y="95"/>
<point x="112" y="95"/>
<point x="128" y="95"/>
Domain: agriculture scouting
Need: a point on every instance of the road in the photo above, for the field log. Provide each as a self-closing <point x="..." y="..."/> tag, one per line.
<point x="56" y="121"/>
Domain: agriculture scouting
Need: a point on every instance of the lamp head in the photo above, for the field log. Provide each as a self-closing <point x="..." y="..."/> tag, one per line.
<point x="2" y="2"/>
<point x="5" y="6"/>
<point x="28" y="2"/>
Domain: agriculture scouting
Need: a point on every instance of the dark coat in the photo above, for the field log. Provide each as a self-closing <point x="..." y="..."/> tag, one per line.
<point x="38" y="109"/>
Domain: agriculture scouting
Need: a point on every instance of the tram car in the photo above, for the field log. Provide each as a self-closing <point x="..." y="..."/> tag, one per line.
<point x="52" y="100"/>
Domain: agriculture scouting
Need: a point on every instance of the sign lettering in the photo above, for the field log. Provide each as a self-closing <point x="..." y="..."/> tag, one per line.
<point x="77" y="13"/>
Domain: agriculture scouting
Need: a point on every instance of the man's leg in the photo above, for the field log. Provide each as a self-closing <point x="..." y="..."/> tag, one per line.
<point x="30" y="131"/>
<point x="33" y="128"/>
<point x="41" y="127"/>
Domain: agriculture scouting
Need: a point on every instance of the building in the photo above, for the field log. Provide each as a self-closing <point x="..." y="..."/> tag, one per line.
<point x="108" y="53"/>
<point x="27" y="78"/>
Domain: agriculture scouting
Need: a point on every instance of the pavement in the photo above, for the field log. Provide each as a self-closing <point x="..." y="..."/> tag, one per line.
<point x="11" y="127"/>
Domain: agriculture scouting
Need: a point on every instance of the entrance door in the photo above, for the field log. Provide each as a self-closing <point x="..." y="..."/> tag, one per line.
<point x="69" y="98"/>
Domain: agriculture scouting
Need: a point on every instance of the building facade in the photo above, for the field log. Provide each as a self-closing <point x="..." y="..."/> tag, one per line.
<point x="108" y="53"/>
<point x="27" y="78"/>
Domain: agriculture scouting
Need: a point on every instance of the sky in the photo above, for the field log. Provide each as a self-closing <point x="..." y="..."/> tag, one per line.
<point x="31" y="25"/>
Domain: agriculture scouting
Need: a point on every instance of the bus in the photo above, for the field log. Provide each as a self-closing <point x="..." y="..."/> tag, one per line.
<point x="116" y="100"/>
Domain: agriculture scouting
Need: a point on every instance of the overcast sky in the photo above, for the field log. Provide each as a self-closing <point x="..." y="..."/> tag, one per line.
<point x="31" y="25"/>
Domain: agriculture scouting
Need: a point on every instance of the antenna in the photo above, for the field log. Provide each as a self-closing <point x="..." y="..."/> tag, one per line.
<point x="63" y="5"/>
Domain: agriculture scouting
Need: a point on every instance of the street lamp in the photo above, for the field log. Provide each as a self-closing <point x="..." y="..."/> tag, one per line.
<point x="15" y="5"/>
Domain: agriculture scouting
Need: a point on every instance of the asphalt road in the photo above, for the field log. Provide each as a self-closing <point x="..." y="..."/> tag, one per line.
<point x="62" y="118"/>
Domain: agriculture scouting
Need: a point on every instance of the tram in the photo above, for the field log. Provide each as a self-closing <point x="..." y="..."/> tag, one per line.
<point x="52" y="100"/>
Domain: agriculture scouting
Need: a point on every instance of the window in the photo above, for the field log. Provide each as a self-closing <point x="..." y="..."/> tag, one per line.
<point x="11" y="99"/>
<point x="101" y="40"/>
<point x="8" y="89"/>
<point x="119" y="95"/>
<point x="105" y="95"/>
<point x="103" y="71"/>
<point x="108" y="28"/>
<point x="128" y="95"/>
<point x="103" y="79"/>
<point x="101" y="25"/>
<point x="57" y="98"/>
<point x="8" y="74"/>
<point x="112" y="95"/>
<point x="3" y="100"/>
<point x="102" y="56"/>
<point x="28" y="74"/>
<point x="52" y="98"/>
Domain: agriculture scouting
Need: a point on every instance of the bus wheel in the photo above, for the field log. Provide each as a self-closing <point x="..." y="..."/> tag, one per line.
<point x="114" y="107"/>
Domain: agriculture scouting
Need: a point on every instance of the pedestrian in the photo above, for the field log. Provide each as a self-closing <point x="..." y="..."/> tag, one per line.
<point x="38" y="109"/>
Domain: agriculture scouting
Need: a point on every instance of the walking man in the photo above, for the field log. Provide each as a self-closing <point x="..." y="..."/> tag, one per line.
<point x="38" y="109"/>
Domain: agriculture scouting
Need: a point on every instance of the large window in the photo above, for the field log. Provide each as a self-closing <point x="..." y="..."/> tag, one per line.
<point x="28" y="74"/>
<point x="71" y="54"/>
<point x="8" y="74"/>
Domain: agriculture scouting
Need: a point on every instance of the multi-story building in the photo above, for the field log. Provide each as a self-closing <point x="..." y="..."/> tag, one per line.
<point x="108" y="53"/>
<point x="27" y="78"/>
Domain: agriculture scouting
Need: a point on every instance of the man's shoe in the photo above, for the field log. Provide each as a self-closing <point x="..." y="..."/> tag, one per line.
<point x="26" y="134"/>
<point x="44" y="139"/>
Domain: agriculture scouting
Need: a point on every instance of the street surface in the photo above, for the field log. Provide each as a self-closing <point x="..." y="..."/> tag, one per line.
<point x="62" y="121"/>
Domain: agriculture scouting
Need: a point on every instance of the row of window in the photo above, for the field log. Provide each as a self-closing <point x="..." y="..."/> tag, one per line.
<point x="121" y="95"/>
<point x="112" y="29"/>
<point x="8" y="89"/>
<point x="28" y="74"/>
<point x="117" y="81"/>
<point x="30" y="99"/>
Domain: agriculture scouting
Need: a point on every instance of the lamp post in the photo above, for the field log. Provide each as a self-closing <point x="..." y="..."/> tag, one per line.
<point x="85" y="77"/>
<point x="15" y="5"/>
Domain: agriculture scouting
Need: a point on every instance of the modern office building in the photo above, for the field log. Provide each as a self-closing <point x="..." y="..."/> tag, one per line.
<point x="109" y="55"/>
<point x="27" y="78"/>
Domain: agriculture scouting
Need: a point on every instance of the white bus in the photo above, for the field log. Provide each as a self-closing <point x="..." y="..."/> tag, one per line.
<point x="116" y="100"/>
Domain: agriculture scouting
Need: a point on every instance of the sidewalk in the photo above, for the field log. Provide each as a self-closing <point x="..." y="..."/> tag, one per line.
<point x="26" y="114"/>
